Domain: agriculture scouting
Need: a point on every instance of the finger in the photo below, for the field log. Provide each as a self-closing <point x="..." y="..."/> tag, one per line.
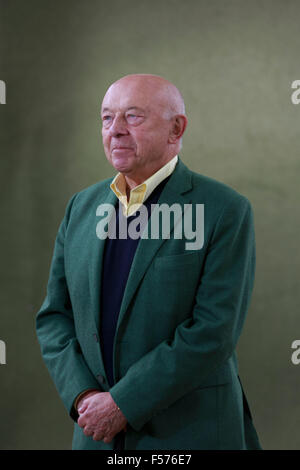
<point x="82" y="408"/>
<point x="107" y="439"/>
<point x="88" y="432"/>
<point x="97" y="437"/>
<point x="81" y="421"/>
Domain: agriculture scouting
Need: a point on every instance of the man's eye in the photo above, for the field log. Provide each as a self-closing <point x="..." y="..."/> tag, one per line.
<point x="106" y="118"/>
<point x="134" y="117"/>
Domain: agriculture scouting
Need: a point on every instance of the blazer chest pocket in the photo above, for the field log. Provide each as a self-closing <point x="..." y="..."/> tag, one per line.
<point x="175" y="280"/>
<point x="179" y="266"/>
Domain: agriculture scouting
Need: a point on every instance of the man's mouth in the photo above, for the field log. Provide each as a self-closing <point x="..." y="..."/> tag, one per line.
<point x="121" y="147"/>
<point x="121" y="151"/>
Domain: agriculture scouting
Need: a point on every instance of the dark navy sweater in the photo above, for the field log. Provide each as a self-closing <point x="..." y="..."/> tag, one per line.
<point x="117" y="259"/>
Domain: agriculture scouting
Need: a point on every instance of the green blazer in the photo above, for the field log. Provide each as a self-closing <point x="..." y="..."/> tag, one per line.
<point x="175" y="366"/>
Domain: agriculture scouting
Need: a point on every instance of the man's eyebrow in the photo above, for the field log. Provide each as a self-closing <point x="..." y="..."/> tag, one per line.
<point x="134" y="107"/>
<point x="104" y="110"/>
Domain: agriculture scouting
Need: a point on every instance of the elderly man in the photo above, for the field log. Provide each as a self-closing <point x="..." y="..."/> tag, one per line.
<point x="139" y="332"/>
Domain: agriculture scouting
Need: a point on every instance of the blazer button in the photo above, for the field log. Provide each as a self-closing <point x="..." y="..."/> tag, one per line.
<point x="95" y="337"/>
<point x="100" y="378"/>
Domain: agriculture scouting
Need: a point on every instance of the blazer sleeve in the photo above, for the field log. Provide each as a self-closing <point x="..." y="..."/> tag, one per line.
<point x="208" y="338"/>
<point x="56" y="330"/>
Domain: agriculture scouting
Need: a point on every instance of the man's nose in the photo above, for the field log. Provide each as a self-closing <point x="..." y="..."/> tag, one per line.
<point x="118" y="127"/>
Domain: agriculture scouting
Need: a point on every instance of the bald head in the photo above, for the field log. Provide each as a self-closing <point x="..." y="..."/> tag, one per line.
<point x="158" y="88"/>
<point x="143" y="118"/>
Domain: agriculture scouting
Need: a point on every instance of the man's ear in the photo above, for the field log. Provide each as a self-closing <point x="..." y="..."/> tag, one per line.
<point x="179" y="123"/>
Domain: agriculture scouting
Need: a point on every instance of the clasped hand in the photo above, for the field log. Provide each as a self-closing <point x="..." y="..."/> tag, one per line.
<point x="100" y="417"/>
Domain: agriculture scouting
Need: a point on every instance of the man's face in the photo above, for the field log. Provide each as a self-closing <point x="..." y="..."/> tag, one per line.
<point x="135" y="129"/>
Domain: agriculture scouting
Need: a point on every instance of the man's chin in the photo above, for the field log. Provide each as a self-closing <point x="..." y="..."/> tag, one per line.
<point x="123" y="165"/>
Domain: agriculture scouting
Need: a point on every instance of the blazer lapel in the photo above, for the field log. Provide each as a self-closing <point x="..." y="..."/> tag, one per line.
<point x="96" y="251"/>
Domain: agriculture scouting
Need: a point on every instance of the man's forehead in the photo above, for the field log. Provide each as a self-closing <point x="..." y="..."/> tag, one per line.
<point x="125" y="98"/>
<point x="126" y="93"/>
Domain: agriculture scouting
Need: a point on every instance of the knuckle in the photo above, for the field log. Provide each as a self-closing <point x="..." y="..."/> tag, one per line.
<point x="88" y="432"/>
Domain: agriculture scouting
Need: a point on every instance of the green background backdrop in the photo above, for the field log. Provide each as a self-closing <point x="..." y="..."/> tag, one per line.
<point x="234" y="62"/>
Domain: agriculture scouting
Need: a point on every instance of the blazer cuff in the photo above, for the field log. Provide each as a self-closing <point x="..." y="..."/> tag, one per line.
<point x="76" y="401"/>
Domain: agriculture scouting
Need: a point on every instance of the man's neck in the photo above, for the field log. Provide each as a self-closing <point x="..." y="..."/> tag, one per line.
<point x="134" y="180"/>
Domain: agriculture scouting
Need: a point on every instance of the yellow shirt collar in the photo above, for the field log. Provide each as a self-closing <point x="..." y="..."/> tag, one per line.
<point x="140" y="193"/>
